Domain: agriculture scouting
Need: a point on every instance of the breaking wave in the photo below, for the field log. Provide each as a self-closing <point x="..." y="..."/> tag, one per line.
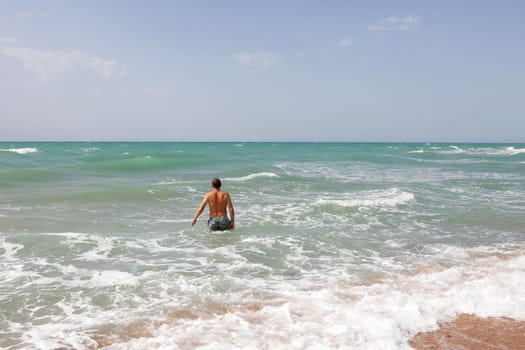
<point x="390" y="198"/>
<point x="20" y="150"/>
<point x="252" y="176"/>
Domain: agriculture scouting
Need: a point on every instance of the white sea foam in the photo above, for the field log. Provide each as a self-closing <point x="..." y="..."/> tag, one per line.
<point x="10" y="249"/>
<point x="417" y="151"/>
<point x="252" y="176"/>
<point x="487" y="151"/>
<point x="173" y="221"/>
<point x="452" y="150"/>
<point x="90" y="149"/>
<point x="355" y="171"/>
<point x="151" y="244"/>
<point x="20" y="150"/>
<point x="111" y="277"/>
<point x="507" y="151"/>
<point x="391" y="197"/>
<point x="320" y="307"/>
<point x="101" y="250"/>
<point x="339" y="171"/>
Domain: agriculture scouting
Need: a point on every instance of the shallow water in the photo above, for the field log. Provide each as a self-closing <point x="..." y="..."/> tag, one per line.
<point x="337" y="245"/>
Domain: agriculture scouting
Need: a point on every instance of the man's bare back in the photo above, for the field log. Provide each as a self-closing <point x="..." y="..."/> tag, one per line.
<point x="217" y="201"/>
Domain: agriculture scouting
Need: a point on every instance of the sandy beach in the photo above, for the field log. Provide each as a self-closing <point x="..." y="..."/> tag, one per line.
<point x="475" y="333"/>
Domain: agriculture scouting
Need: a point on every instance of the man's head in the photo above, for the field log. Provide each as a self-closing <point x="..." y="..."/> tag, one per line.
<point x="216" y="183"/>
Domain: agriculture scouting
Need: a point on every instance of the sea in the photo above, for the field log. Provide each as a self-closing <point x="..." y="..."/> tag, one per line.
<point x="336" y="245"/>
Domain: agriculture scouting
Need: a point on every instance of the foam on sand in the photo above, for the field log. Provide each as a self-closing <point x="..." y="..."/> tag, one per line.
<point x="380" y="315"/>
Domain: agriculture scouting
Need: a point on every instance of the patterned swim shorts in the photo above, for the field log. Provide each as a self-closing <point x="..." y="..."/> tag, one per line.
<point x="219" y="223"/>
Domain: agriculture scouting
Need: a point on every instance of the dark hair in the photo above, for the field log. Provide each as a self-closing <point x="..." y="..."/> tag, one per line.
<point x="216" y="183"/>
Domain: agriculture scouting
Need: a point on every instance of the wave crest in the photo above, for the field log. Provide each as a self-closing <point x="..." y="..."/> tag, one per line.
<point x="252" y="176"/>
<point x="480" y="151"/>
<point x="389" y="198"/>
<point x="20" y="150"/>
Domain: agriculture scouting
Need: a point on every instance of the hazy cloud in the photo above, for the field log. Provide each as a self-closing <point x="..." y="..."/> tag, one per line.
<point x="396" y="24"/>
<point x="346" y="41"/>
<point x="7" y="41"/>
<point x="258" y="58"/>
<point x="50" y="64"/>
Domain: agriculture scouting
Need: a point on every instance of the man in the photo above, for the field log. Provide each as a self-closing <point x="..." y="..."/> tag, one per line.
<point x="217" y="201"/>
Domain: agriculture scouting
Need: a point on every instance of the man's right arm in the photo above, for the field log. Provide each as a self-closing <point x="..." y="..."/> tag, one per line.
<point x="200" y="210"/>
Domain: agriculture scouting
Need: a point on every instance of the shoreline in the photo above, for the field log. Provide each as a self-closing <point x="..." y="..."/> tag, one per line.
<point x="466" y="332"/>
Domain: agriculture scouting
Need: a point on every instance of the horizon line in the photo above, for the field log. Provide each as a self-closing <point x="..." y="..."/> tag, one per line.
<point x="257" y="141"/>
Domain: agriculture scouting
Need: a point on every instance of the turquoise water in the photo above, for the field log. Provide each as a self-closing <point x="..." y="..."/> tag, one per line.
<point x="337" y="245"/>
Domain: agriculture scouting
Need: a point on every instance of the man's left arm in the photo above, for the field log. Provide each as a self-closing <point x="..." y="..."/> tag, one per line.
<point x="232" y="212"/>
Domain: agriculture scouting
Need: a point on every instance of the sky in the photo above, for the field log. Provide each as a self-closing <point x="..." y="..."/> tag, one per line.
<point x="287" y="70"/>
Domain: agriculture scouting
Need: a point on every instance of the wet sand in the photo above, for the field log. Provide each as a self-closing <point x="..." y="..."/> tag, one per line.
<point x="469" y="332"/>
